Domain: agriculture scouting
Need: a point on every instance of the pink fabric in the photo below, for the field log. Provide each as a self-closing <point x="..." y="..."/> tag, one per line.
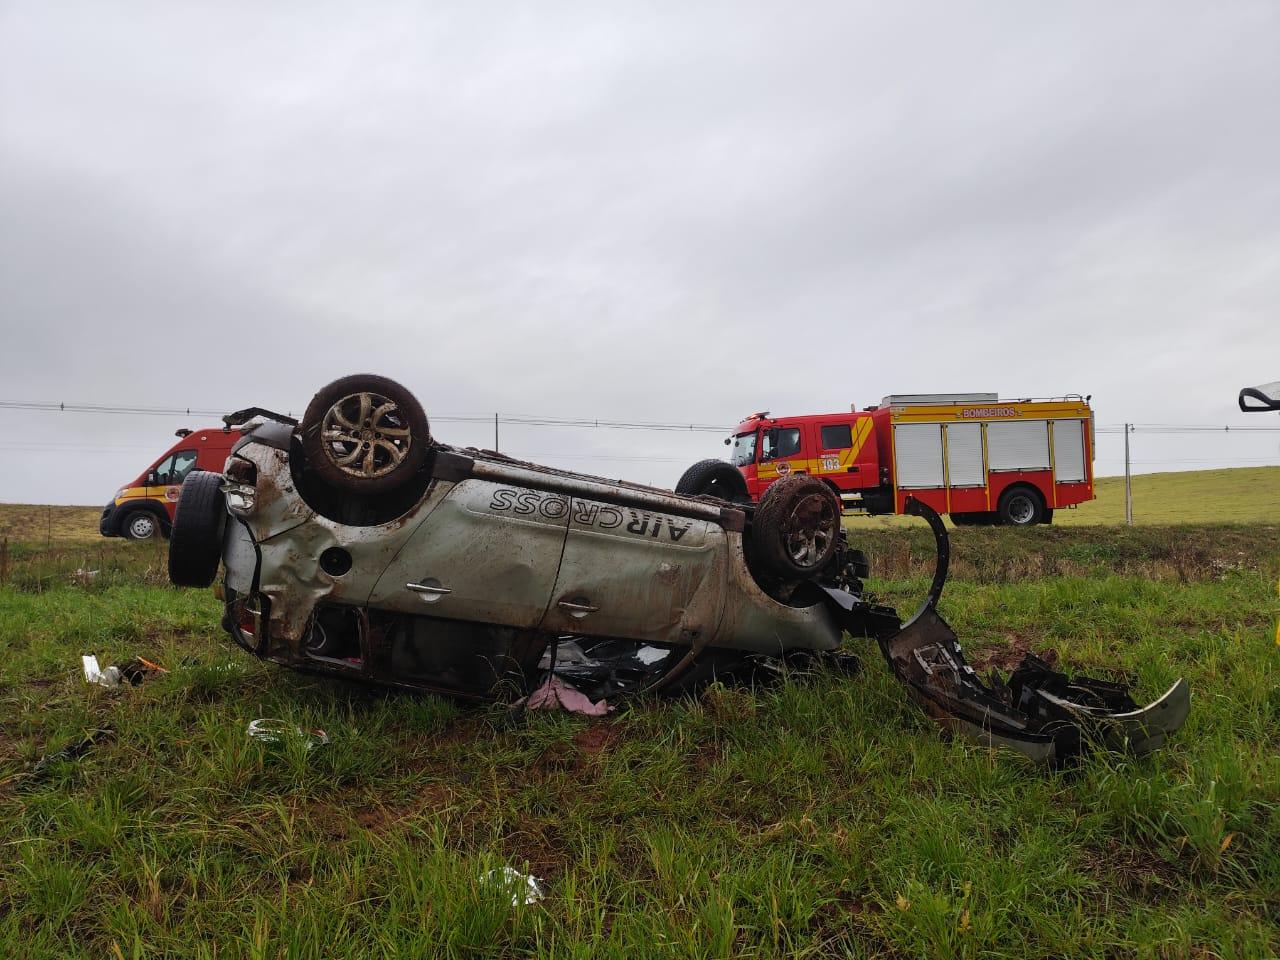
<point x="556" y="693"/>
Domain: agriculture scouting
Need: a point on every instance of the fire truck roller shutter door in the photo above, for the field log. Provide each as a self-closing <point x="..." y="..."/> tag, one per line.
<point x="1018" y="445"/>
<point x="918" y="449"/>
<point x="1068" y="451"/>
<point x="964" y="455"/>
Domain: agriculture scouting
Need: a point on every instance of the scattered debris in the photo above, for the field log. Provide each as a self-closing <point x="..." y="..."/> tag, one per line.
<point x="72" y="751"/>
<point x="556" y="693"/>
<point x="279" y="731"/>
<point x="524" y="887"/>
<point x="93" y="673"/>
<point x="132" y="671"/>
<point x="82" y="577"/>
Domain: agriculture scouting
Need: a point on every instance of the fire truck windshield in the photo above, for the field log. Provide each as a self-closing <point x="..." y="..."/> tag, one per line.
<point x="744" y="449"/>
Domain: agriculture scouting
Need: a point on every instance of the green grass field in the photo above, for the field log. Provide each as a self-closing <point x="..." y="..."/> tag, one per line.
<point x="824" y="817"/>
<point x="1238" y="495"/>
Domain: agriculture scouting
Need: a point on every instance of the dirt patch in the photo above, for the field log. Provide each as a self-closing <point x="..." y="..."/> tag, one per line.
<point x="596" y="738"/>
<point x="1133" y="870"/>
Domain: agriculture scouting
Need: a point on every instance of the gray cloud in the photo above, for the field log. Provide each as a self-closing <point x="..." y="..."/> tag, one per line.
<point x="643" y="211"/>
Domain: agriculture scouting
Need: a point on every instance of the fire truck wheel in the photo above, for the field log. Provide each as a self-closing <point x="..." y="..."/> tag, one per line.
<point x="365" y="434"/>
<point x="195" y="545"/>
<point x="140" y="525"/>
<point x="797" y="526"/>
<point x="714" y="478"/>
<point x="1020" y="507"/>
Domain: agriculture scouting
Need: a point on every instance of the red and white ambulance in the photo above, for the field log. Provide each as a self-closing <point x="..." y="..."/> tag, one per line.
<point x="144" y="507"/>
<point x="972" y="455"/>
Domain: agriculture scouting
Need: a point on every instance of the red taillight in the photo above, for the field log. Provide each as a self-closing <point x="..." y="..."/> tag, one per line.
<point x="248" y="622"/>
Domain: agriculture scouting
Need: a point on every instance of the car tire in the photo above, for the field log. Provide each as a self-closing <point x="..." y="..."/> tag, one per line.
<point x="714" y="478"/>
<point x="1020" y="507"/>
<point x="140" y="525"/>
<point x="365" y="434"/>
<point x="796" y="528"/>
<point x="195" y="545"/>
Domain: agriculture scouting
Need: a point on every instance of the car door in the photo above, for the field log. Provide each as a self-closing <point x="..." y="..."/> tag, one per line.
<point x="638" y="574"/>
<point x="489" y="552"/>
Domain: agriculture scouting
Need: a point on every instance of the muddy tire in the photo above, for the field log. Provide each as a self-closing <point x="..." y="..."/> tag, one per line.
<point x="796" y="527"/>
<point x="714" y="478"/>
<point x="1020" y="507"/>
<point x="195" y="545"/>
<point x="141" y="525"/>
<point x="365" y="434"/>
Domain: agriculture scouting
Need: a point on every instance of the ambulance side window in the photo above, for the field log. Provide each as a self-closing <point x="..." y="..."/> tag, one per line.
<point x="837" y="436"/>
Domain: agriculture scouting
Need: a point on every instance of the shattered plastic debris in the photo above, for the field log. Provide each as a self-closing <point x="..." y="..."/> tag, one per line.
<point x="651" y="655"/>
<point x="133" y="671"/>
<point x="278" y="731"/>
<point x="525" y="888"/>
<point x="93" y="673"/>
<point x="555" y="693"/>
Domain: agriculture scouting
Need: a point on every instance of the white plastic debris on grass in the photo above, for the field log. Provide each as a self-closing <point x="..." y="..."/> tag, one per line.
<point x="525" y="888"/>
<point x="93" y="673"/>
<point x="280" y="731"/>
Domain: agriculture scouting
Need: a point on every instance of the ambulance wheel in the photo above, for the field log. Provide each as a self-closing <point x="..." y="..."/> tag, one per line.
<point x="195" y="545"/>
<point x="714" y="478"/>
<point x="140" y="525"/>
<point x="1020" y="507"/>
<point x="365" y="434"/>
<point x="796" y="527"/>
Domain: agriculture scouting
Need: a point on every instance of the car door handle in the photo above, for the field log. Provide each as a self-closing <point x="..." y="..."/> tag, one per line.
<point x="577" y="608"/>
<point x="434" y="591"/>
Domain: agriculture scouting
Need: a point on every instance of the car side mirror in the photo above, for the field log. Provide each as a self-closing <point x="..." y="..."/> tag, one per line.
<point x="153" y="478"/>
<point x="726" y="441"/>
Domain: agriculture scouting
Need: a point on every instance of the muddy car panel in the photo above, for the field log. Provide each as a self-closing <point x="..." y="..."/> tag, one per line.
<point x="487" y="553"/>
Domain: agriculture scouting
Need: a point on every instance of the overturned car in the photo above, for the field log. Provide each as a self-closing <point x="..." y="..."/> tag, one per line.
<point x="354" y="544"/>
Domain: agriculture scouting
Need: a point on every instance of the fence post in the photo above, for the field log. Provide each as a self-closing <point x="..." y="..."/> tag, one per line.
<point x="1128" y="481"/>
<point x="4" y="561"/>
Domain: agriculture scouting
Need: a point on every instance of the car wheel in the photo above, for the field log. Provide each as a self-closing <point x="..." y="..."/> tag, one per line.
<point x="797" y="527"/>
<point x="714" y="478"/>
<point x="1020" y="507"/>
<point x="141" y="525"/>
<point x="365" y="434"/>
<point x="195" y="545"/>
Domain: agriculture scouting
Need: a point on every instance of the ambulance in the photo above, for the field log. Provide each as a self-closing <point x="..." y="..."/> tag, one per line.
<point x="980" y="459"/>
<point x="143" y="508"/>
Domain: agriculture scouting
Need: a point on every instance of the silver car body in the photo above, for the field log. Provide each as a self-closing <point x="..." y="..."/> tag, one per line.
<point x="498" y="542"/>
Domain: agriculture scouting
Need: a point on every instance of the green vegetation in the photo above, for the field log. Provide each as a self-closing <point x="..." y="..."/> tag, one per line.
<point x="1238" y="495"/>
<point x="823" y="817"/>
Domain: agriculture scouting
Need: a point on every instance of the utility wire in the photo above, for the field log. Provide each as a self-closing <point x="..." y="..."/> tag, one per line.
<point x="532" y="420"/>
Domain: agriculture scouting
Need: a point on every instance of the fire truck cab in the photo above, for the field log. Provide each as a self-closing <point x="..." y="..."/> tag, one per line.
<point x="144" y="507"/>
<point x="971" y="455"/>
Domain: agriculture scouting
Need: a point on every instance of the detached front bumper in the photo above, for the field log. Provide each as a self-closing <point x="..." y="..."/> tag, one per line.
<point x="1040" y="712"/>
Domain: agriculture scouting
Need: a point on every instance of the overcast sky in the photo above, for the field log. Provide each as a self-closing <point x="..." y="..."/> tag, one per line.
<point x="652" y="211"/>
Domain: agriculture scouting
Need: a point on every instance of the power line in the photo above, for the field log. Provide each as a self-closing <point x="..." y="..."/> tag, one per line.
<point x="532" y="420"/>
<point x="529" y="420"/>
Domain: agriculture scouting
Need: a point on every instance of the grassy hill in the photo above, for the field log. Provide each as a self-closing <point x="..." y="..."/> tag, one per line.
<point x="1237" y="495"/>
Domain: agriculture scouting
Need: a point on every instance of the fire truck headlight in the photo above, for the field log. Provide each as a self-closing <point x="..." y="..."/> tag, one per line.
<point x="240" y="498"/>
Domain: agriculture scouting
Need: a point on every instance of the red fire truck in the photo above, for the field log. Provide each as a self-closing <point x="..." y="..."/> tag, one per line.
<point x="972" y="455"/>
<point x="144" y="507"/>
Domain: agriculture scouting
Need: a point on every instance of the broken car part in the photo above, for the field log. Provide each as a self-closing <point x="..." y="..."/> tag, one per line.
<point x="354" y="544"/>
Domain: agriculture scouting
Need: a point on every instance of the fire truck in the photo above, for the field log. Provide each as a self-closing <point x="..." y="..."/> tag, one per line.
<point x="143" y="508"/>
<point x="980" y="459"/>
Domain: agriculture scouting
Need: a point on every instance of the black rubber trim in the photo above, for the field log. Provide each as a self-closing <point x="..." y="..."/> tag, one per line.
<point x="451" y="466"/>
